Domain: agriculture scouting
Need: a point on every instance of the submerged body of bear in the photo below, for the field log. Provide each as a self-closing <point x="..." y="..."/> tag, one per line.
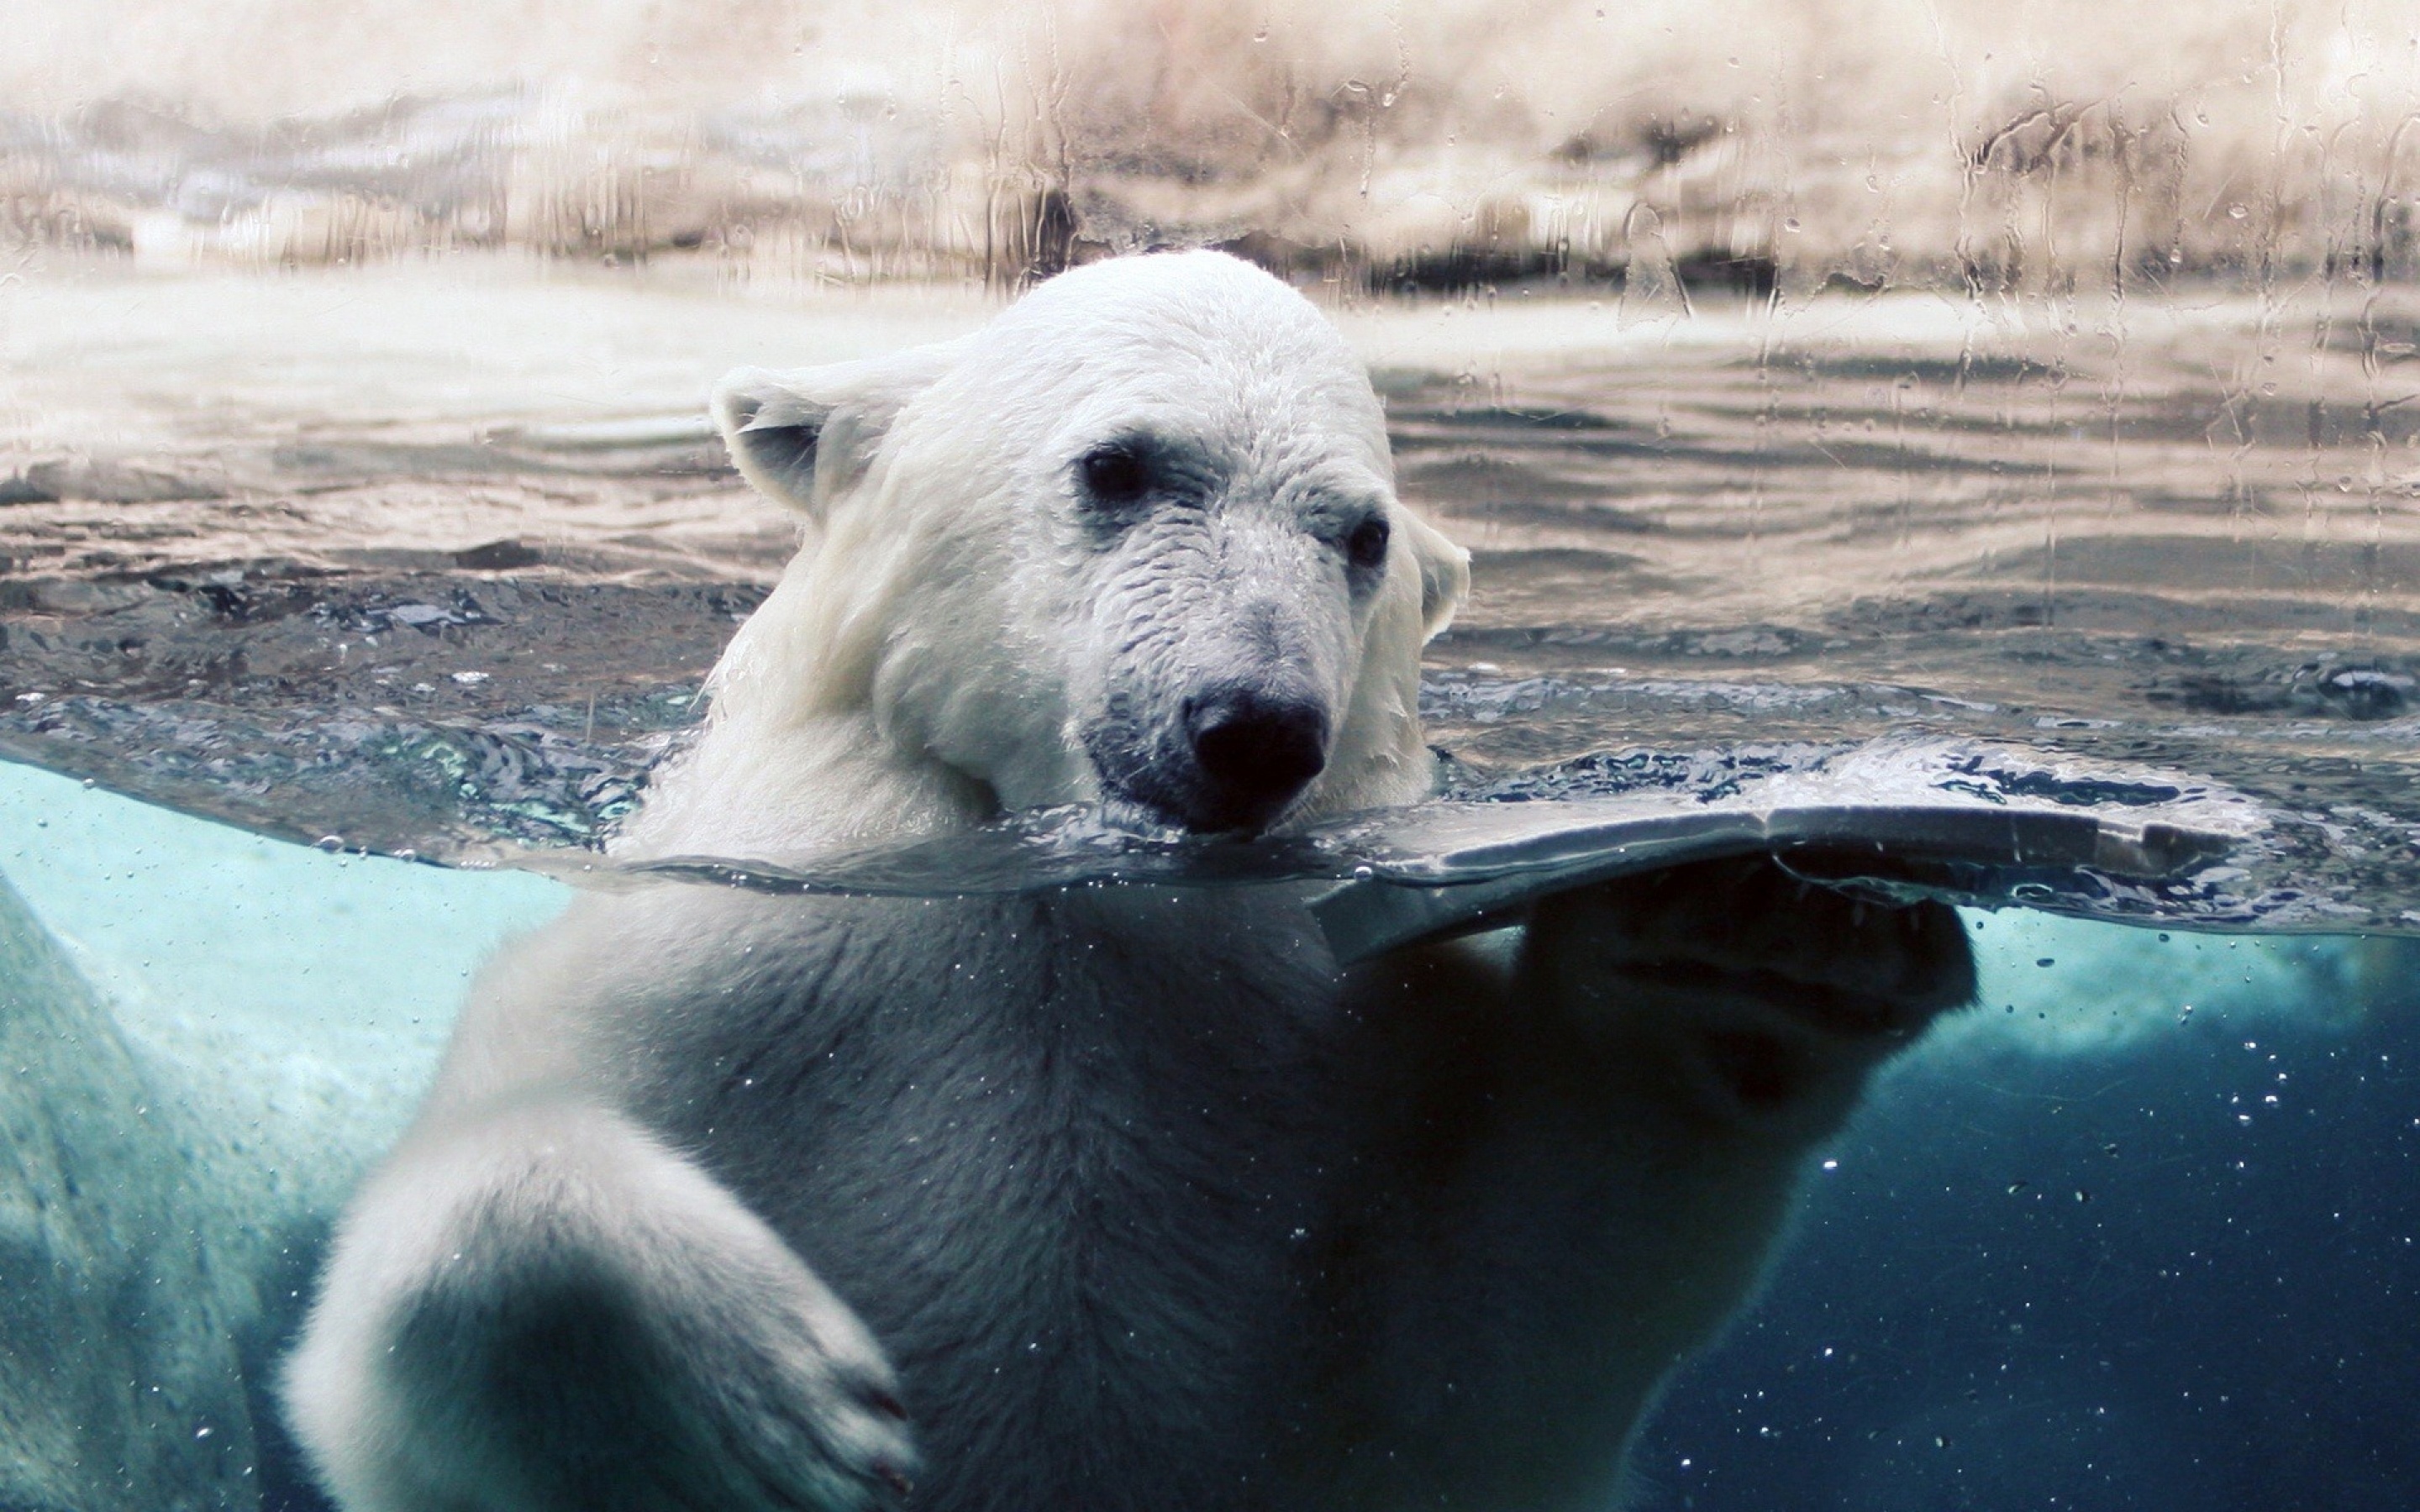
<point x="1110" y="1198"/>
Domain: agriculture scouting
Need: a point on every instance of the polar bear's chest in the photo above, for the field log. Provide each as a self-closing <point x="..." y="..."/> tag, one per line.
<point x="1062" y="1152"/>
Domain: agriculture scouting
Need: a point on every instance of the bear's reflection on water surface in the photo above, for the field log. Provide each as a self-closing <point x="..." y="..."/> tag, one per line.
<point x="1110" y="1198"/>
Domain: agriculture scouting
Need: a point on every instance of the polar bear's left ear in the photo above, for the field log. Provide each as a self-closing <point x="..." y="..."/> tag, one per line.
<point x="806" y="436"/>
<point x="1444" y="572"/>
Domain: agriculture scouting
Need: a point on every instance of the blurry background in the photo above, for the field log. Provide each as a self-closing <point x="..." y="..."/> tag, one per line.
<point x="2050" y="145"/>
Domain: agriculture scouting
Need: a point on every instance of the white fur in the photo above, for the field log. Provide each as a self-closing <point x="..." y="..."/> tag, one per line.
<point x="1148" y="1202"/>
<point x="912" y="672"/>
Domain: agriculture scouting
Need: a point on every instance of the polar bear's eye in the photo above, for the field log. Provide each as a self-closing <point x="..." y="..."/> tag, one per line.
<point x="1114" y="475"/>
<point x="1366" y="547"/>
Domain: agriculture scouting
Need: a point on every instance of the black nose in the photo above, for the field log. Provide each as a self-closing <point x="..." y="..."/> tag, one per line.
<point x="1257" y="750"/>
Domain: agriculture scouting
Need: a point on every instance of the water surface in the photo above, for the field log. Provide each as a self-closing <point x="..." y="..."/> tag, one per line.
<point x="433" y="556"/>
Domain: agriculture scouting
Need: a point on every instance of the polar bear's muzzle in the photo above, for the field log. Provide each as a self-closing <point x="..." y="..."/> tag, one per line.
<point x="1235" y="757"/>
<point x="1254" y="753"/>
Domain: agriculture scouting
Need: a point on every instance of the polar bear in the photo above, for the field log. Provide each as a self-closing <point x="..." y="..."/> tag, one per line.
<point x="1106" y="1197"/>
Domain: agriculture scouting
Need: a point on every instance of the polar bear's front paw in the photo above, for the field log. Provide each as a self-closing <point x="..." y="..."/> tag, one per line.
<point x="580" y="1381"/>
<point x="551" y="1312"/>
<point x="790" y="1395"/>
<point x="1766" y="991"/>
<point x="1849" y="962"/>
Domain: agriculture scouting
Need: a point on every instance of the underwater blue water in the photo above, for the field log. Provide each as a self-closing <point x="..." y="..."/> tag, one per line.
<point x="2170" y="1269"/>
<point x="2141" y="1229"/>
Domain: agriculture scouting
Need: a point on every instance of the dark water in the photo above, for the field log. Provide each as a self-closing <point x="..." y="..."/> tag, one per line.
<point x="2119" y="1280"/>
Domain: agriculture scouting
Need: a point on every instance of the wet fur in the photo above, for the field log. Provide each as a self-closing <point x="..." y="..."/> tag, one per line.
<point x="1128" y="1198"/>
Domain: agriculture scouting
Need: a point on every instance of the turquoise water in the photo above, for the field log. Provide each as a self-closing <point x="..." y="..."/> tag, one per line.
<point x="209" y="1036"/>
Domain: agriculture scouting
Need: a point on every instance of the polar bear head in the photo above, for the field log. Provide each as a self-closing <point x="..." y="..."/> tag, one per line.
<point x="1135" y="542"/>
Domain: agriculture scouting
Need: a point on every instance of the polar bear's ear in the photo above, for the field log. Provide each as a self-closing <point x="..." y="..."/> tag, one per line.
<point x="1444" y="573"/>
<point x="806" y="436"/>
